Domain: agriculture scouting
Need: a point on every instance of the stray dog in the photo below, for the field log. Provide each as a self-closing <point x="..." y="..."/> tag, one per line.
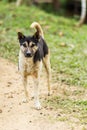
<point x="33" y="52"/>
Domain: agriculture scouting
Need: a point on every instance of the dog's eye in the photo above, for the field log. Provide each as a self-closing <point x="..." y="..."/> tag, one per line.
<point x="24" y="45"/>
<point x="32" y="45"/>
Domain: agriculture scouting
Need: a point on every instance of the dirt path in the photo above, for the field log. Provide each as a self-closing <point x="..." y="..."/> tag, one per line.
<point x="15" y="115"/>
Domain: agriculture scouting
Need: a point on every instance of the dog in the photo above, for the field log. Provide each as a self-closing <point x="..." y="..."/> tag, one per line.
<point x="33" y="52"/>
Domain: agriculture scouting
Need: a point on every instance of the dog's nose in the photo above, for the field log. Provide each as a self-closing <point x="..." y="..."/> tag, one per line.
<point x="28" y="54"/>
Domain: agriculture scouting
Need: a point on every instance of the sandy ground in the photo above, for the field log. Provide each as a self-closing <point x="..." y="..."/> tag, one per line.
<point x="16" y="115"/>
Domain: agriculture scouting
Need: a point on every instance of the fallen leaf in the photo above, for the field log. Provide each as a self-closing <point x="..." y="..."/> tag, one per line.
<point x="1" y="22"/>
<point x="63" y="44"/>
<point x="61" y="34"/>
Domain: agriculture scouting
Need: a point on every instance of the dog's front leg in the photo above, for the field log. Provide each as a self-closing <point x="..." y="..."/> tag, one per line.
<point x="24" y="78"/>
<point x="36" y="93"/>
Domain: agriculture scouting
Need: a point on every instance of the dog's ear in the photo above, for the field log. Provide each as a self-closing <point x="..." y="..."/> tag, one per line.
<point x="20" y="36"/>
<point x="36" y="35"/>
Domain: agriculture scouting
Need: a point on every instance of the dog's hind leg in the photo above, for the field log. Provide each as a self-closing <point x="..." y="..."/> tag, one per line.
<point x="46" y="62"/>
<point x="24" y="78"/>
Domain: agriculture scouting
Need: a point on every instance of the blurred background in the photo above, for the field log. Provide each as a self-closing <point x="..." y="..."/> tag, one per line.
<point x="64" y="7"/>
<point x="61" y="22"/>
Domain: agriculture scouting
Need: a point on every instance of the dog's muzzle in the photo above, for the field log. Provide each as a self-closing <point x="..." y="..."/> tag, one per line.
<point x="28" y="54"/>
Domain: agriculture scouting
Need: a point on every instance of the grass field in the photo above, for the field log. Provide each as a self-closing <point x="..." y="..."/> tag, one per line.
<point x="67" y="43"/>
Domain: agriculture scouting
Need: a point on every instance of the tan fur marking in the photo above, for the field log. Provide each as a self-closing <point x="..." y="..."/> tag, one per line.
<point x="38" y="28"/>
<point x="26" y="43"/>
<point x="34" y="49"/>
<point x="30" y="44"/>
<point x="46" y="62"/>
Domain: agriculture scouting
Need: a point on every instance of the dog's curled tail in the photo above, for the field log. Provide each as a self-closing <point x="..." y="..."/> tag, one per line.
<point x="38" y="28"/>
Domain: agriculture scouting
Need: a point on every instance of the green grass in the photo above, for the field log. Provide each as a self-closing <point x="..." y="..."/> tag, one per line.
<point x="68" y="109"/>
<point x="69" y="61"/>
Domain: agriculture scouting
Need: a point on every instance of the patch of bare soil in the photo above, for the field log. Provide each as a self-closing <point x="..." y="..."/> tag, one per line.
<point x="16" y="115"/>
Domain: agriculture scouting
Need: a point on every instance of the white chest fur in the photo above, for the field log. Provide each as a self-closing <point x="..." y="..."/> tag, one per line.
<point x="27" y="66"/>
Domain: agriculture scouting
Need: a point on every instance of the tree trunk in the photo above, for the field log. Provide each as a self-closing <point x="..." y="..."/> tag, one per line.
<point x="56" y="4"/>
<point x="83" y="13"/>
<point x="19" y="2"/>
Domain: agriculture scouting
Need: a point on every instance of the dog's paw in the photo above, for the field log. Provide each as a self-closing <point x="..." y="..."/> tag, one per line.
<point x="24" y="100"/>
<point x="37" y="105"/>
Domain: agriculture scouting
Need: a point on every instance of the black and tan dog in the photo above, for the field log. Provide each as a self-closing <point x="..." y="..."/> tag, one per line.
<point x="33" y="52"/>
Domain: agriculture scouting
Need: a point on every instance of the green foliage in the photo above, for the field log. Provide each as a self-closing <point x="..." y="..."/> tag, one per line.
<point x="63" y="2"/>
<point x="9" y="0"/>
<point x="66" y="42"/>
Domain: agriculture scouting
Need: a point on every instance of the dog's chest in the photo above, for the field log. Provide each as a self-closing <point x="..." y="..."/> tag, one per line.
<point x="27" y="66"/>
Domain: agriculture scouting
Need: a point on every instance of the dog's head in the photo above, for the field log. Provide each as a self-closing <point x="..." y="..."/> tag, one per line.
<point x="28" y="44"/>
